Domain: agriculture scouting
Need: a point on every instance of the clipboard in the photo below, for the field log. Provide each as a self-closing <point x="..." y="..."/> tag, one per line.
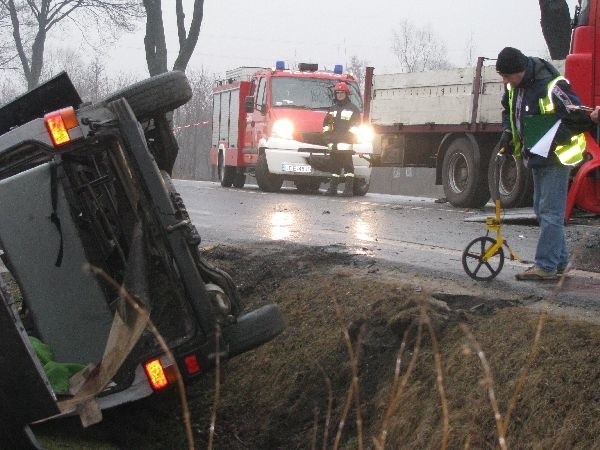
<point x="535" y="127"/>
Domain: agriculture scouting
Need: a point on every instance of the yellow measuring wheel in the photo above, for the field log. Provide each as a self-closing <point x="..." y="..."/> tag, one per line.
<point x="483" y="258"/>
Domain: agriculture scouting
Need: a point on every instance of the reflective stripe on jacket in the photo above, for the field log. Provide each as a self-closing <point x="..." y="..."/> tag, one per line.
<point x="568" y="154"/>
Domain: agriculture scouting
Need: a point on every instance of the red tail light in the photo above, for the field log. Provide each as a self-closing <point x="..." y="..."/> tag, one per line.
<point x="62" y="126"/>
<point x="192" y="365"/>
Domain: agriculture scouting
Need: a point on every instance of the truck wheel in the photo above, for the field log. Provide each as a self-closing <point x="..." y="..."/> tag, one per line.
<point x="515" y="182"/>
<point x="308" y="185"/>
<point x="267" y="181"/>
<point x="254" y="329"/>
<point x="157" y="95"/>
<point x="361" y="187"/>
<point x="226" y="173"/>
<point x="239" y="179"/>
<point x="464" y="180"/>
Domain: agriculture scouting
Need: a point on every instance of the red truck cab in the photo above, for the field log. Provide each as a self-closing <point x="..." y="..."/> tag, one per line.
<point x="582" y="69"/>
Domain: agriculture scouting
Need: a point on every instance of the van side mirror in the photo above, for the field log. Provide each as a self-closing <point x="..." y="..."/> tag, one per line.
<point x="249" y="103"/>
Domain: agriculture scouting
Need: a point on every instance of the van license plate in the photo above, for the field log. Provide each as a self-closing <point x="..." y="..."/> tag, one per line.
<point x="298" y="168"/>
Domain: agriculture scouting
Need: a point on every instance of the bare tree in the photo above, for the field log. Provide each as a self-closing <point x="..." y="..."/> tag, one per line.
<point x="193" y="129"/>
<point x="156" y="58"/>
<point x="418" y="49"/>
<point x="155" y="43"/>
<point x="556" y="27"/>
<point x="470" y="51"/>
<point x="357" y="67"/>
<point x="32" y="20"/>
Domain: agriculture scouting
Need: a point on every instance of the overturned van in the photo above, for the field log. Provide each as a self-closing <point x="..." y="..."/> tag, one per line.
<point x="112" y="299"/>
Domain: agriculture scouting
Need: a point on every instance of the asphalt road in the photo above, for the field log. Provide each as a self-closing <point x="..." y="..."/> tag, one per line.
<point x="414" y="232"/>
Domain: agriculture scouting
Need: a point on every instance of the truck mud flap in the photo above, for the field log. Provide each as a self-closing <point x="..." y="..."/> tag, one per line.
<point x="254" y="329"/>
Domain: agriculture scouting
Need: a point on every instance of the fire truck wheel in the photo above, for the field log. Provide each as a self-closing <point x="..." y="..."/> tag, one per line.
<point x="361" y="187"/>
<point x="515" y="182"/>
<point x="267" y="181"/>
<point x="226" y="173"/>
<point x="463" y="175"/>
<point x="307" y="185"/>
<point x="156" y="95"/>
<point x="239" y="178"/>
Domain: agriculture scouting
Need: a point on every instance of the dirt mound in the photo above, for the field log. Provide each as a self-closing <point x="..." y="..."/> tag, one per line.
<point x="293" y="392"/>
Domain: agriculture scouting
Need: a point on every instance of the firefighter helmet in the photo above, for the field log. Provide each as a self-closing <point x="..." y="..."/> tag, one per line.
<point x="342" y="87"/>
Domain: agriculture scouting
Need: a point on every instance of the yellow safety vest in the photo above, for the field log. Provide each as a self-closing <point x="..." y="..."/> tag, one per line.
<point x="570" y="154"/>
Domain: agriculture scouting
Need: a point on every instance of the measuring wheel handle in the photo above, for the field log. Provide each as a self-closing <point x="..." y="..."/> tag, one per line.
<point x="476" y="264"/>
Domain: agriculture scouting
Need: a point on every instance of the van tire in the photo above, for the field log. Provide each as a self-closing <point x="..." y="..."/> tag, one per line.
<point x="267" y="181"/>
<point x="156" y="95"/>
<point x="254" y="329"/>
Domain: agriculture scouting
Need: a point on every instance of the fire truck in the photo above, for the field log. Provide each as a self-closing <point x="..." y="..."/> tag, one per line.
<point x="450" y="120"/>
<point x="268" y="123"/>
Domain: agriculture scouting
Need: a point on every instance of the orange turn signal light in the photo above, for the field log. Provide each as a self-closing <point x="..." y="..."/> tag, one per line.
<point x="156" y="374"/>
<point x="59" y="123"/>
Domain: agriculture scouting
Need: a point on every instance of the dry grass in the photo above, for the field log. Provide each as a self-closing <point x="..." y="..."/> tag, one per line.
<point x="388" y="367"/>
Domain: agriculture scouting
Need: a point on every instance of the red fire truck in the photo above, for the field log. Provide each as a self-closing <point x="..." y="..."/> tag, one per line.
<point x="268" y="123"/>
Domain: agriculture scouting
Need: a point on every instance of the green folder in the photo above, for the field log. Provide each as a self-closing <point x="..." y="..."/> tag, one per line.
<point x="535" y="127"/>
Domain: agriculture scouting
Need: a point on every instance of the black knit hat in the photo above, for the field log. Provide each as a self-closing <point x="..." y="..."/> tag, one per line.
<point x="510" y="60"/>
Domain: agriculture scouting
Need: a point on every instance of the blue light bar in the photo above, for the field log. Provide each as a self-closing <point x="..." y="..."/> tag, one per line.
<point x="280" y="65"/>
<point x="338" y="68"/>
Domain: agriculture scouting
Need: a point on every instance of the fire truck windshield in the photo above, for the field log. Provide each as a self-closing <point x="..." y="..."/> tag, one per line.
<point x="308" y="93"/>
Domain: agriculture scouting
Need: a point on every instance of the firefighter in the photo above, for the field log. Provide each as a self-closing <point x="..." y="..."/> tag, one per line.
<point x="535" y="98"/>
<point x="341" y="117"/>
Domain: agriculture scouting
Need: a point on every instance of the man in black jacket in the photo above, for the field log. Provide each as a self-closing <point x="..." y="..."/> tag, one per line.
<point x="340" y="118"/>
<point x="536" y="100"/>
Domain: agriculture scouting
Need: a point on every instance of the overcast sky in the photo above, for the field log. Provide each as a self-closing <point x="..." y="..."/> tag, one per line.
<point x="259" y="32"/>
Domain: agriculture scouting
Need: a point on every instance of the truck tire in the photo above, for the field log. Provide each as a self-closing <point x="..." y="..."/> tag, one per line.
<point x="308" y="185"/>
<point x="226" y="173"/>
<point x="361" y="187"/>
<point x="267" y="181"/>
<point x="239" y="178"/>
<point x="254" y="329"/>
<point x="157" y="95"/>
<point x="464" y="177"/>
<point x="515" y="182"/>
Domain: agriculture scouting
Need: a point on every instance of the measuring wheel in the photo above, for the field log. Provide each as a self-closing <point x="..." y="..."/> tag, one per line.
<point x="478" y="264"/>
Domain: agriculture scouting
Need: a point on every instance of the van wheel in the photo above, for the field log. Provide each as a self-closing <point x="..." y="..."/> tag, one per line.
<point x="307" y="185"/>
<point x="157" y="95"/>
<point x="515" y="185"/>
<point x="465" y="183"/>
<point x="361" y="187"/>
<point x="254" y="329"/>
<point x="267" y="181"/>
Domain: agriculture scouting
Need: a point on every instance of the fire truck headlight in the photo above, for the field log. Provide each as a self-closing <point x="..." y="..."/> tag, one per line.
<point x="364" y="133"/>
<point x="283" y="128"/>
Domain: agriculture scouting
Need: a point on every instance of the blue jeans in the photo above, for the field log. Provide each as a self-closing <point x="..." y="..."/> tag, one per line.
<point x="550" y="184"/>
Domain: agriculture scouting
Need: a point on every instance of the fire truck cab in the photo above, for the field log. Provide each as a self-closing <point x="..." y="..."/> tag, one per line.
<point x="268" y="123"/>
